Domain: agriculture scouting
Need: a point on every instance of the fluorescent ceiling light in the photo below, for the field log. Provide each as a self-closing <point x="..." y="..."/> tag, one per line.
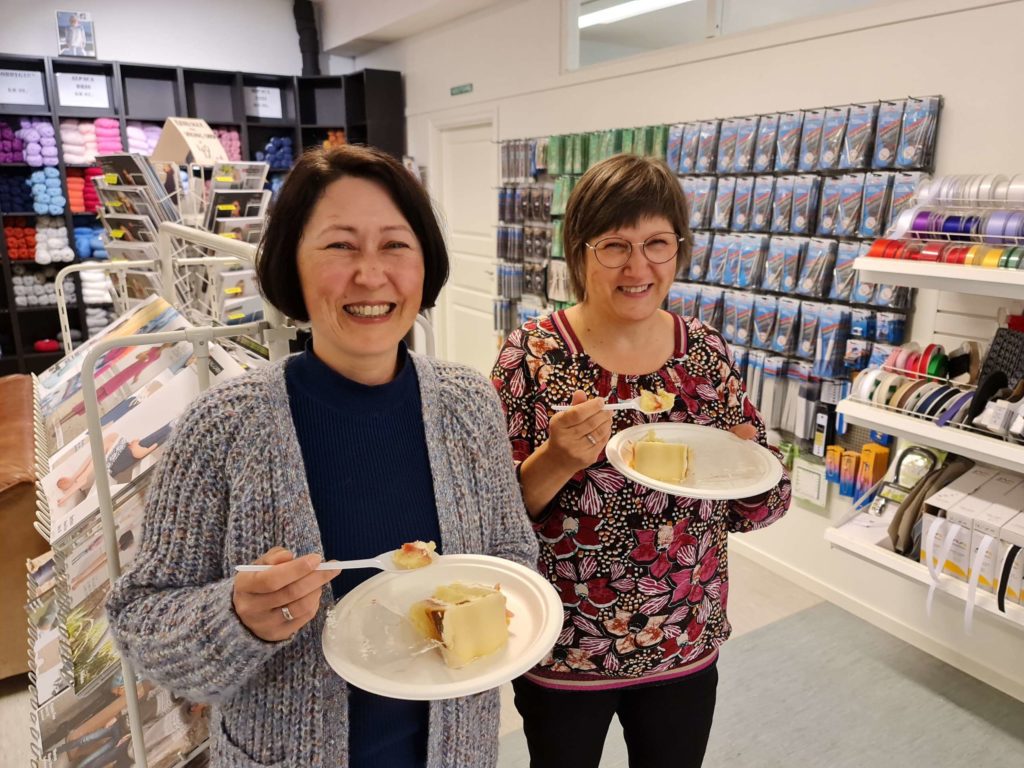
<point x="625" y="11"/>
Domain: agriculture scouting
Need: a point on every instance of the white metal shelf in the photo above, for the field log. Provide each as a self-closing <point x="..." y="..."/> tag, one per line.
<point x="862" y="547"/>
<point x="980" y="447"/>
<point x="981" y="281"/>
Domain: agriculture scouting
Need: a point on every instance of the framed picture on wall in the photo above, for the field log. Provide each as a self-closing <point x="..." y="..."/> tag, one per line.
<point x="75" y="34"/>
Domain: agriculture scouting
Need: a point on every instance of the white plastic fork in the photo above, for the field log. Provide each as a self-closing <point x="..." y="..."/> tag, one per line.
<point x="623" y="405"/>
<point x="382" y="562"/>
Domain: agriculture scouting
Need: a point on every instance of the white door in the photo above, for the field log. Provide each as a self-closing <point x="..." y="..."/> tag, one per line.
<point x="466" y="190"/>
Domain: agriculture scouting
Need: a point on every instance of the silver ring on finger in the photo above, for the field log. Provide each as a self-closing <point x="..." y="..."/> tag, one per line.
<point x="590" y="437"/>
<point x="287" y="613"/>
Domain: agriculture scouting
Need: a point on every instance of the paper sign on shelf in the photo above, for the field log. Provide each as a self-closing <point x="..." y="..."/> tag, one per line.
<point x="186" y="140"/>
<point x="262" y="101"/>
<point x="77" y="90"/>
<point x="19" y="86"/>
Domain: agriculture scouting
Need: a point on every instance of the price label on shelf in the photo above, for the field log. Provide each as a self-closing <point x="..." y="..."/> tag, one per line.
<point x="77" y="90"/>
<point x="18" y="86"/>
<point x="261" y="101"/>
<point x="187" y="140"/>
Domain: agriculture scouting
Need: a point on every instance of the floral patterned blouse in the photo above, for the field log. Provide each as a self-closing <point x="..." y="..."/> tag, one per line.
<point x="642" y="575"/>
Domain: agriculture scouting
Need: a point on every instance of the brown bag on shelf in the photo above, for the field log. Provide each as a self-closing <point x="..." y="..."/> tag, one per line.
<point x="910" y="511"/>
<point x="19" y="540"/>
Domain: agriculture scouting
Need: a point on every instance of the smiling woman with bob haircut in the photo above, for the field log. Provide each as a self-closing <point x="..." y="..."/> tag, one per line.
<point x="346" y="450"/>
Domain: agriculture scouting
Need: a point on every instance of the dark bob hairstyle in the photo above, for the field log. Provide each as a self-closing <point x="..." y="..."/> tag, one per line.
<point x="277" y="265"/>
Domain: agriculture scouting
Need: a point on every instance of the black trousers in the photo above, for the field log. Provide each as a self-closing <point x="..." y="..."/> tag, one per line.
<point x="665" y="726"/>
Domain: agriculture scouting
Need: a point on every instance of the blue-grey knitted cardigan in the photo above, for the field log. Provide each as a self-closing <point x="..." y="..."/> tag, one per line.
<point x="230" y="486"/>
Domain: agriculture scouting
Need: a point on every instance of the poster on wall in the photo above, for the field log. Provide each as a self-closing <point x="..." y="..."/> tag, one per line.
<point x="75" y="34"/>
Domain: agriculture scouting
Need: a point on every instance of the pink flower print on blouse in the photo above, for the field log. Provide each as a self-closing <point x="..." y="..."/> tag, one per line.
<point x="569" y="660"/>
<point x="698" y="579"/>
<point x="660" y="547"/>
<point x="580" y="589"/>
<point x="638" y="630"/>
<point x="566" y="534"/>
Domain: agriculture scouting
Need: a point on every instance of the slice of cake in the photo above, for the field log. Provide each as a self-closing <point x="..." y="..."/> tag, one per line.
<point x="414" y="554"/>
<point x="667" y="462"/>
<point x="656" y="402"/>
<point x="469" y="620"/>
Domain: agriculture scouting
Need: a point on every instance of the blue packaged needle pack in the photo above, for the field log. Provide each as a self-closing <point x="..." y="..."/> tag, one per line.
<point x="752" y="250"/>
<point x="707" y="146"/>
<point x="733" y="254"/>
<point x="828" y="213"/>
<point x="810" y="140"/>
<point x="805" y="204"/>
<point x="904" y="191"/>
<point x="723" y="202"/>
<point x="832" y="135"/>
<point x="833" y="332"/>
<point x="863" y="293"/>
<point x="844" y="274"/>
<point x="764" y="148"/>
<point x="810" y="312"/>
<point x="742" y="201"/>
<point x="711" y="306"/>
<point x="688" y="148"/>
<point x="860" y="130"/>
<point x="716" y="264"/>
<point x="690" y="297"/>
<point x="727" y="145"/>
<point x="746" y="135"/>
<point x="851" y="195"/>
<point x="699" y="255"/>
<point x="771" y="277"/>
<point x="787" y="145"/>
<point x="887" y="135"/>
<point x="675" y="146"/>
<point x="761" y="208"/>
<point x="816" y="271"/>
<point x="729" y="316"/>
<point x="744" y="303"/>
<point x="917" y="135"/>
<point x="794" y="249"/>
<point x="782" y="204"/>
<point x="874" y="208"/>
<point x="765" y="308"/>
<point x="787" y="326"/>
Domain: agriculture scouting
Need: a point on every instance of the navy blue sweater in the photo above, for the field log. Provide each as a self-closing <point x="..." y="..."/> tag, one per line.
<point x="369" y="479"/>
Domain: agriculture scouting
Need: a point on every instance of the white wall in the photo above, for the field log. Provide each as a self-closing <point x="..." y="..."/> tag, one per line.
<point x="512" y="55"/>
<point x="254" y="36"/>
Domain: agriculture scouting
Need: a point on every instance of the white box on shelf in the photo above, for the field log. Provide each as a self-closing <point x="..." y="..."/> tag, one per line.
<point x="989" y="522"/>
<point x="959" y="489"/>
<point x="1012" y="534"/>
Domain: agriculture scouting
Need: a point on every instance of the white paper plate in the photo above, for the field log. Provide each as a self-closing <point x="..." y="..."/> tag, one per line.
<point x="723" y="465"/>
<point x="371" y="616"/>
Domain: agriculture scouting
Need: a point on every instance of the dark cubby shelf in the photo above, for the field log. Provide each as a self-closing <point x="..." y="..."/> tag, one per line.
<point x="367" y="105"/>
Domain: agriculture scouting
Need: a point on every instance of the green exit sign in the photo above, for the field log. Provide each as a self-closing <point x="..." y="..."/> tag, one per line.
<point x="458" y="90"/>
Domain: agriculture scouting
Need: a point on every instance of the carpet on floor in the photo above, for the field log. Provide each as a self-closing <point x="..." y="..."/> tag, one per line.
<point x="824" y="689"/>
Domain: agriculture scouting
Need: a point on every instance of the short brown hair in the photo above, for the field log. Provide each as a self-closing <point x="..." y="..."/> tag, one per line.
<point x="317" y="169"/>
<point x="619" y="192"/>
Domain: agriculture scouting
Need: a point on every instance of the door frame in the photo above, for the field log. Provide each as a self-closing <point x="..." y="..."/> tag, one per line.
<point x="436" y="127"/>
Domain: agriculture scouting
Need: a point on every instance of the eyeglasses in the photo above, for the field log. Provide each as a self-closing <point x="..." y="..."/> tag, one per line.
<point x="614" y="252"/>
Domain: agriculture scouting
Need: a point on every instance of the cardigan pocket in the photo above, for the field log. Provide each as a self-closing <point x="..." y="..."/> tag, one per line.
<point x="227" y="753"/>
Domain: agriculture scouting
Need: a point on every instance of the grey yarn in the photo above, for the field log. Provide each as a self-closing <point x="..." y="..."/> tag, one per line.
<point x="230" y="486"/>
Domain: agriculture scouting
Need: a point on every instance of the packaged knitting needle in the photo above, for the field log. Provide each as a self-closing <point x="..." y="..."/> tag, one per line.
<point x="765" y="308"/>
<point x="828" y="213"/>
<point x="810" y="140"/>
<point x="719" y="254"/>
<point x="723" y="202"/>
<point x="764" y="145"/>
<point x="771" y="278"/>
<point x="844" y="274"/>
<point x="795" y="249"/>
<point x="746" y="136"/>
<point x="851" y="194"/>
<point x="729" y="316"/>
<point x="742" y="201"/>
<point x="690" y="296"/>
<point x="858" y="354"/>
<point x="832" y="135"/>
<point x="887" y="136"/>
<point x="705" y="188"/>
<point x="782" y="204"/>
<point x="688" y="149"/>
<point x="787" y="145"/>
<point x="659" y="143"/>
<point x="892" y="296"/>
<point x="810" y="312"/>
<point x="787" y="326"/>
<point x="711" y="306"/>
<point x="816" y="271"/>
<point x="918" y="132"/>
<point x="751" y="261"/>
<point x="889" y="327"/>
<point x="744" y="303"/>
<point x="700" y="253"/>
<point x="675" y="146"/>
<point x="860" y="130"/>
<point x="874" y="209"/>
<point x="761" y="206"/>
<point x="805" y="204"/>
<point x="707" y="146"/>
<point x="904" y="190"/>
<point x="733" y="254"/>
<point x="674" y="302"/>
<point x="833" y="332"/>
<point x="727" y="145"/>
<point x="879" y="354"/>
<point x="739" y="360"/>
<point x="862" y="323"/>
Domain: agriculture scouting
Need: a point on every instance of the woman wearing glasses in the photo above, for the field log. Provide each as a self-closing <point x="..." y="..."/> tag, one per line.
<point x="642" y="575"/>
